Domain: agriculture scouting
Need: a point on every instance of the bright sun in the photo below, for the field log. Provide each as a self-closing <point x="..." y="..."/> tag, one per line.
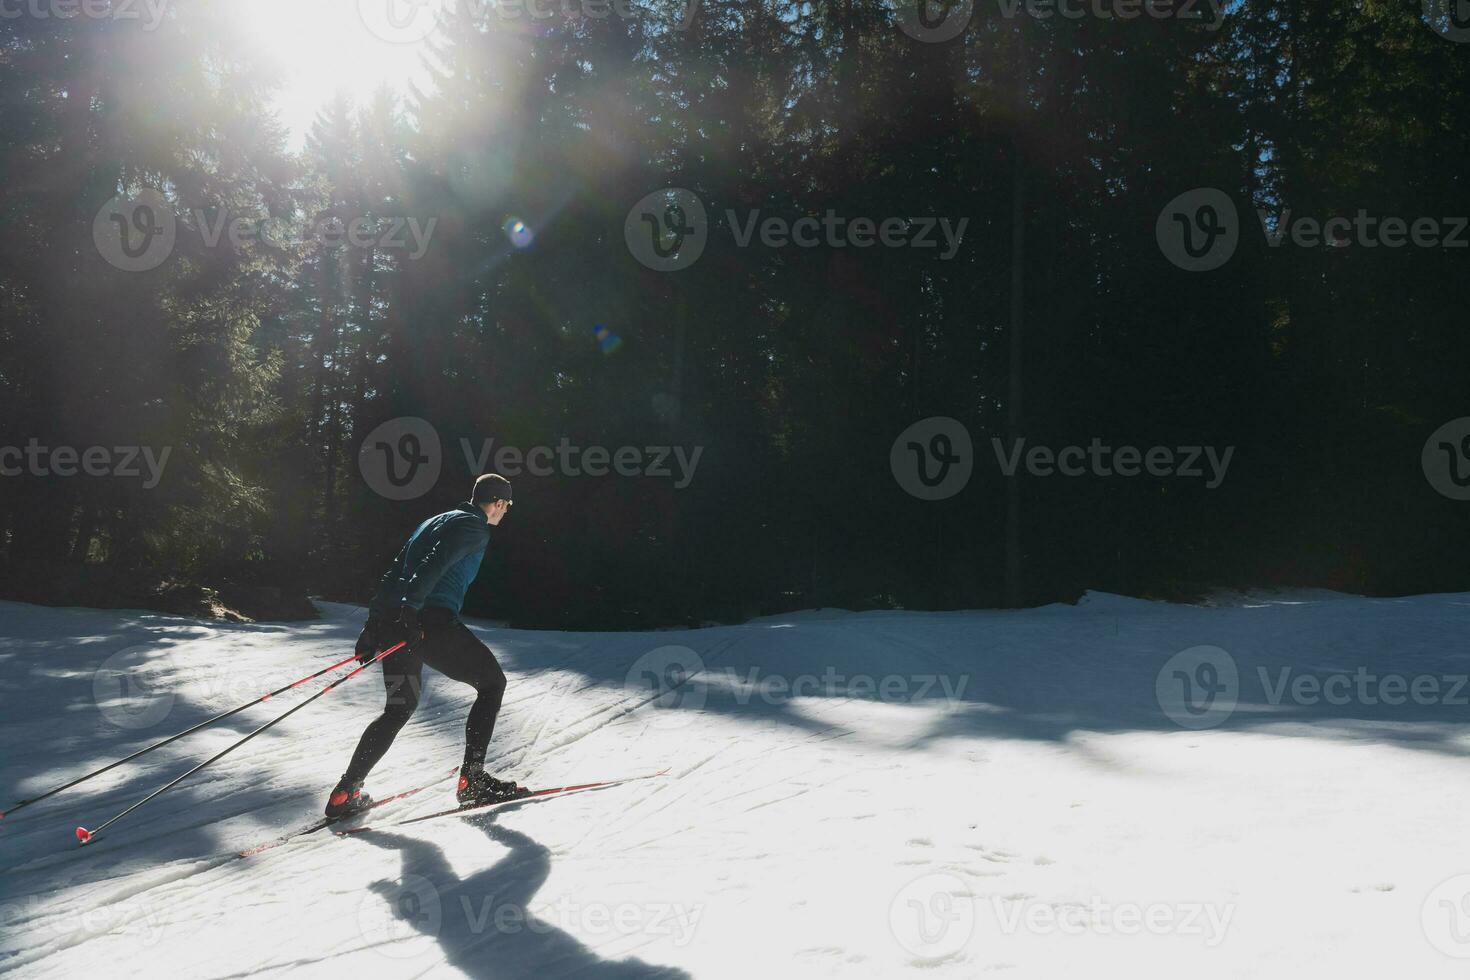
<point x="323" y="47"/>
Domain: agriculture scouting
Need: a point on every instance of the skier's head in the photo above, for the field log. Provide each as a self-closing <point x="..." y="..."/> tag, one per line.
<point x="492" y="495"/>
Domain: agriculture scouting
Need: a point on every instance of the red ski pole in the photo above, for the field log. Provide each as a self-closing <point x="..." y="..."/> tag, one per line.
<point x="175" y="738"/>
<point x="85" y="836"/>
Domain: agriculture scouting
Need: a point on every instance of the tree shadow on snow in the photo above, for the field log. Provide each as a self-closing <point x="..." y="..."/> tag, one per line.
<point x="56" y="716"/>
<point x="1047" y="674"/>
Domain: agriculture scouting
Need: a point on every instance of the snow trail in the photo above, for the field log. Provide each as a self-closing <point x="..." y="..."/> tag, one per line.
<point x="1048" y="792"/>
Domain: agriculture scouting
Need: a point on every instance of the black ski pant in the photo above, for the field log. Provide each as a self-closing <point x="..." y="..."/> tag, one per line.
<point x="449" y="647"/>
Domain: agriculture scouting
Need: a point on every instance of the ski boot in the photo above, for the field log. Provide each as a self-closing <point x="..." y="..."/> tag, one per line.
<point x="347" y="799"/>
<point x="477" y="787"/>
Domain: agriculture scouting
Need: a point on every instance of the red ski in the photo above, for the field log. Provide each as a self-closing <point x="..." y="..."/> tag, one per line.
<point x="531" y="797"/>
<point x="326" y="822"/>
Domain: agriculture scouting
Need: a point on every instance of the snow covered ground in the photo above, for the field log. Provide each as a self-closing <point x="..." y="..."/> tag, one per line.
<point x="1274" y="787"/>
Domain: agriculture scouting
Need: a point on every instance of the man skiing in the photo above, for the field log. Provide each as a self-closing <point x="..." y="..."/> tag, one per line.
<point x="418" y="601"/>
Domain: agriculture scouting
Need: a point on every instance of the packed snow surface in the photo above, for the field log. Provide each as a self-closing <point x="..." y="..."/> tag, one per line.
<point x="1273" y="786"/>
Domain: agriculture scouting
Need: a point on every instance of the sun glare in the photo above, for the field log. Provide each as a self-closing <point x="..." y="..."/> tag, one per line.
<point x="320" y="48"/>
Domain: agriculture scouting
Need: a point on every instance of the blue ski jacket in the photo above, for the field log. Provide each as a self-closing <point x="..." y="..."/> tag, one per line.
<point x="437" y="564"/>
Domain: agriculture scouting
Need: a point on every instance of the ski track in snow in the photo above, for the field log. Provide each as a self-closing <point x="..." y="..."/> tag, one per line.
<point x="949" y="831"/>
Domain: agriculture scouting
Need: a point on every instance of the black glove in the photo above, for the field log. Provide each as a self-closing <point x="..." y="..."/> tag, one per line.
<point x="405" y="629"/>
<point x="378" y="635"/>
<point x="367" y="641"/>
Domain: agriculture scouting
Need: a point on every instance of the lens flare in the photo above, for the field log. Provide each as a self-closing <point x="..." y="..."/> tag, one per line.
<point x="606" y="339"/>
<point x="519" y="233"/>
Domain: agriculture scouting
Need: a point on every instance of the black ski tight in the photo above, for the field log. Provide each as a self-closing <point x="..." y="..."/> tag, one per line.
<point x="450" y="648"/>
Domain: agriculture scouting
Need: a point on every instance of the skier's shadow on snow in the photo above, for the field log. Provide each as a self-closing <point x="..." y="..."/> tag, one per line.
<point x="484" y="923"/>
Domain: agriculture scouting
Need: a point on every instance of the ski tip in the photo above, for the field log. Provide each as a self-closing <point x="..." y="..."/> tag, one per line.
<point x="83" y="835"/>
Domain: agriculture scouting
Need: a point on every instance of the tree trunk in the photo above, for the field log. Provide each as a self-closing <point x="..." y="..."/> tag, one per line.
<point x="1014" y="590"/>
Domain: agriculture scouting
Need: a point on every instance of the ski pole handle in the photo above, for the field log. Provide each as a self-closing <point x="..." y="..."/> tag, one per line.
<point x="174" y="738"/>
<point x="85" y="836"/>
